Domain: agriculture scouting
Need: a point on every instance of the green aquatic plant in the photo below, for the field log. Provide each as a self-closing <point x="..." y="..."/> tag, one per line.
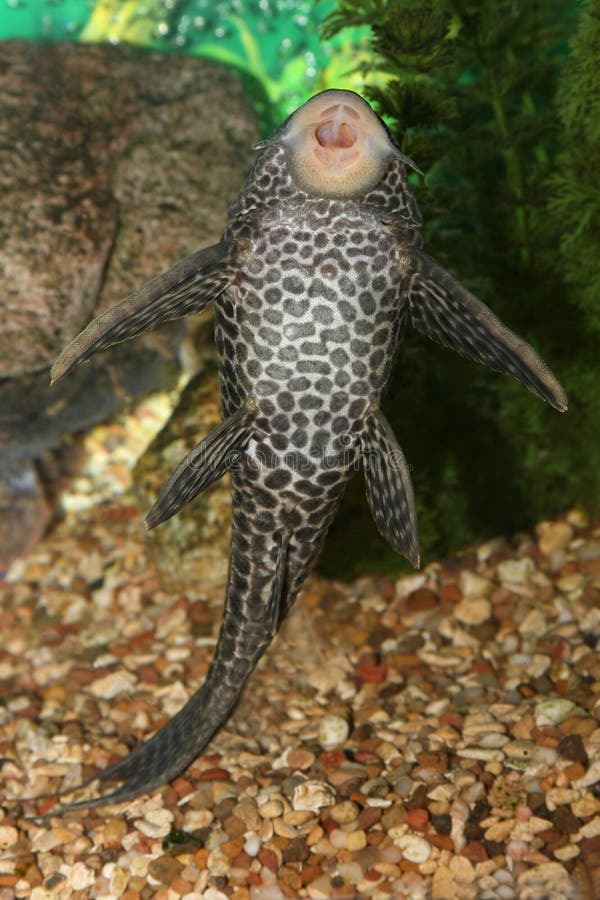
<point x="273" y="44"/>
<point x="574" y="187"/>
<point x="497" y="111"/>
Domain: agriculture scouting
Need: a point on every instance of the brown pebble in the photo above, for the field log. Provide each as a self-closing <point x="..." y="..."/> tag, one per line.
<point x="403" y="661"/>
<point x="590" y="851"/>
<point x="574" y="772"/>
<point x="200" y="858"/>
<point x="475" y="852"/>
<point x="180" y="886"/>
<point x="296" y="851"/>
<point x="565" y="821"/>
<point x="311" y="873"/>
<point x="452" y="718"/>
<point x="441" y="841"/>
<point x="495" y="848"/>
<point x="371" y="673"/>
<point x="300" y="759"/>
<point x="232" y="848"/>
<point x="242" y="861"/>
<point x="551" y="836"/>
<point x="369" y="817"/>
<point x="374" y="838"/>
<point x="571" y="747"/>
<point x="421" y="600"/>
<point x="114" y="832"/>
<point x="223" y="809"/>
<point x="451" y="591"/>
<point x="438" y="762"/>
<point x="578" y="725"/>
<point x="215" y="774"/>
<point x="418" y="798"/>
<point x="395" y="815"/>
<point x="165" y="868"/>
<point x="407" y="865"/>
<point x="332" y="759"/>
<point x="268" y="858"/>
<point x="418" y="819"/>
<point x="234" y="826"/>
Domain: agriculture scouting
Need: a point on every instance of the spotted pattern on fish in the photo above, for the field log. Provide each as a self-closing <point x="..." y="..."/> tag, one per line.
<point x="313" y="281"/>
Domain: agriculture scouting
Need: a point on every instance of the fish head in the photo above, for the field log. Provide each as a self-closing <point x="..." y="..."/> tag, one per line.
<point x="336" y="148"/>
<point x="336" y="145"/>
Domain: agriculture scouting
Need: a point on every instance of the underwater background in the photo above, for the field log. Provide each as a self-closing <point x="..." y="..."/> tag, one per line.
<point x="277" y="46"/>
<point x="499" y="105"/>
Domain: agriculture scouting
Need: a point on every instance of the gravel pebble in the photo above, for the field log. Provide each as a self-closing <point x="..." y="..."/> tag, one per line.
<point x="434" y="736"/>
<point x="333" y="731"/>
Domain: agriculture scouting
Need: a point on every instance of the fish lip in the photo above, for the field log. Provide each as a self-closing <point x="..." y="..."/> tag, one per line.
<point x="334" y="134"/>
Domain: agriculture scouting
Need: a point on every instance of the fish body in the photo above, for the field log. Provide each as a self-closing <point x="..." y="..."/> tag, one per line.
<point x="313" y="281"/>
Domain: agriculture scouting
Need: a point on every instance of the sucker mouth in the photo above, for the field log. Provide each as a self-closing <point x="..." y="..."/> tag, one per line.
<point x="335" y="134"/>
<point x="337" y="145"/>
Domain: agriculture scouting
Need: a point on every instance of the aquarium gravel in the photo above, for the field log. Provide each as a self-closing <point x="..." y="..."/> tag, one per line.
<point x="434" y="736"/>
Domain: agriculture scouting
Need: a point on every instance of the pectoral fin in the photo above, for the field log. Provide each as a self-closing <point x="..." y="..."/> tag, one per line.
<point x="445" y="311"/>
<point x="187" y="288"/>
<point x="204" y="464"/>
<point x="389" y="487"/>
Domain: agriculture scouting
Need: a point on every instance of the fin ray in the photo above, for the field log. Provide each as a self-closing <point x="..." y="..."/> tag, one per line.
<point x="203" y="465"/>
<point x="443" y="310"/>
<point x="187" y="288"/>
<point x="275" y="597"/>
<point x="389" y="487"/>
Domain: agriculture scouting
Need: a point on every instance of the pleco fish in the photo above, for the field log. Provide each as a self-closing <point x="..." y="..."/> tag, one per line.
<point x="312" y="282"/>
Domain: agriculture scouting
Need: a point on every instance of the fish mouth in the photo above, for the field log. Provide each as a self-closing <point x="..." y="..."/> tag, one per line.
<point x="338" y="130"/>
<point x="336" y="145"/>
<point x="336" y="136"/>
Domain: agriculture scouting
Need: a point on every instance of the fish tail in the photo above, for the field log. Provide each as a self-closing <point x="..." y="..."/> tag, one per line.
<point x="258" y="597"/>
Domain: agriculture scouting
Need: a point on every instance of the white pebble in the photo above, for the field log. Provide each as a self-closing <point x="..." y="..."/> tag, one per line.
<point x="473" y="610"/>
<point x="8" y="836"/>
<point x="312" y="796"/>
<point x="156" y="823"/>
<point x="110" y="686"/>
<point x="516" y="571"/>
<point x="333" y="731"/>
<point x="351" y="872"/>
<point x="486" y="754"/>
<point x="265" y="892"/>
<point x="252" y="844"/>
<point x="554" y="711"/>
<point x="339" y="838"/>
<point x="473" y="585"/>
<point x="79" y="876"/>
<point x="414" y="848"/>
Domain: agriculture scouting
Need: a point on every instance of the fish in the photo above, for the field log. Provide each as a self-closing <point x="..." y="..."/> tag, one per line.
<point x="318" y="272"/>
